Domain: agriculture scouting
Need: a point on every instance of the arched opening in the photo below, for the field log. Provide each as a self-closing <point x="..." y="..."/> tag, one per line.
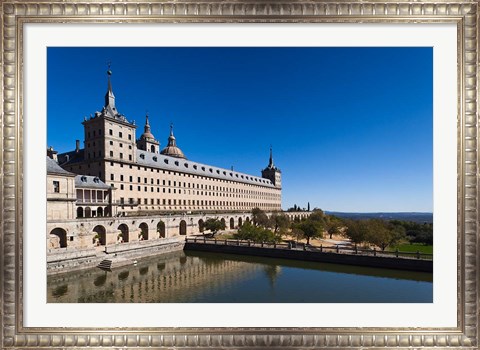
<point x="100" y="235"/>
<point x="152" y="148"/>
<point x="58" y="238"/>
<point x="143" y="235"/>
<point x="161" y="229"/>
<point x="201" y="225"/>
<point x="239" y="222"/>
<point x="183" y="228"/>
<point x="100" y="211"/>
<point x="247" y="219"/>
<point x="106" y="211"/>
<point x="123" y="235"/>
<point x="79" y="212"/>
<point x="223" y="222"/>
<point x="88" y="212"/>
<point x="232" y="223"/>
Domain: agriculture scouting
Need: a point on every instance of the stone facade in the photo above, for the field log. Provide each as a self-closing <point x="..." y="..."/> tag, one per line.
<point x="149" y="180"/>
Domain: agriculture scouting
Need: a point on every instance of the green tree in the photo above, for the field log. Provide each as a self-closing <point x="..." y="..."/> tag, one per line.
<point x="214" y="225"/>
<point x="317" y="215"/>
<point x="333" y="225"/>
<point x="381" y="234"/>
<point x="279" y="222"/>
<point x="260" y="218"/>
<point x="356" y="231"/>
<point x="310" y="229"/>
<point x="255" y="233"/>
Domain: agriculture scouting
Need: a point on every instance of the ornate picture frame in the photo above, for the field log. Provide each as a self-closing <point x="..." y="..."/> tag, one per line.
<point x="15" y="14"/>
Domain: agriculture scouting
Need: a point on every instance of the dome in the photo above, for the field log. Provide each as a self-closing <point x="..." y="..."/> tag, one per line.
<point x="172" y="150"/>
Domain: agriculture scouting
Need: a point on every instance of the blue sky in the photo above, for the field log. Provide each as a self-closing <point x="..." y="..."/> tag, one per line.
<point x="351" y="128"/>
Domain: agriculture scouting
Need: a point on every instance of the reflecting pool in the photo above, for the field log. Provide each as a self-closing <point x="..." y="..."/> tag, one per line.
<point x="199" y="277"/>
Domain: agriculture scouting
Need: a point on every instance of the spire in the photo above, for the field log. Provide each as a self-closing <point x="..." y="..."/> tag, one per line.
<point x="109" y="96"/>
<point x="147" y="125"/>
<point x="172" y="150"/>
<point x="270" y="162"/>
<point x="171" y="138"/>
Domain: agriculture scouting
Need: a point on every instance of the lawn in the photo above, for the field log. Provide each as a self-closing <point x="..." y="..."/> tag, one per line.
<point x="413" y="247"/>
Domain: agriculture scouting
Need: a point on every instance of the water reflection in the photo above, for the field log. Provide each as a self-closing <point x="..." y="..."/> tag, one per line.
<point x="208" y="277"/>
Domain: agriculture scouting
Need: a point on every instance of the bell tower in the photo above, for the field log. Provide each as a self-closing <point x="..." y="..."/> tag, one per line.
<point x="272" y="173"/>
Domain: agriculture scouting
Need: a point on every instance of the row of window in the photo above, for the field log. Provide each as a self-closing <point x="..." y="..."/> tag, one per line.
<point x="192" y="202"/>
<point x="202" y="193"/>
<point x="191" y="185"/>
<point x="180" y="174"/>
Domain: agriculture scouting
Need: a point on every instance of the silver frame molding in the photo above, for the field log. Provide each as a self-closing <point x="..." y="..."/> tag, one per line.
<point x="15" y="13"/>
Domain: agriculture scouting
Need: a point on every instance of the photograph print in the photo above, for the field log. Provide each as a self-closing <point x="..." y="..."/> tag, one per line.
<point x="239" y="175"/>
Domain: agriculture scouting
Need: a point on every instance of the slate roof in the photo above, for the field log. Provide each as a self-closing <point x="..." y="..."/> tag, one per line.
<point x="54" y="168"/>
<point x="71" y="157"/>
<point x="86" y="181"/>
<point x="190" y="167"/>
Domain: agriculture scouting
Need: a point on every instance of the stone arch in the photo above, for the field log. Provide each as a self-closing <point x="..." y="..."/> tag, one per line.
<point x="239" y="222"/>
<point x="152" y="148"/>
<point x="232" y="223"/>
<point x="101" y="233"/>
<point x="124" y="234"/>
<point x="223" y="222"/>
<point x="80" y="212"/>
<point x="182" y="228"/>
<point x="88" y="212"/>
<point x="201" y="225"/>
<point x="58" y="238"/>
<point x="161" y="229"/>
<point x="143" y="231"/>
<point x="100" y="211"/>
<point x="247" y="219"/>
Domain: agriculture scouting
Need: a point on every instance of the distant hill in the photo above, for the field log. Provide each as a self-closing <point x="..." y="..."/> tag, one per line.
<point x="413" y="216"/>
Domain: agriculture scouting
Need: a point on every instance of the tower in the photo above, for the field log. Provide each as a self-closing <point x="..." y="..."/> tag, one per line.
<point x="108" y="134"/>
<point x="272" y="173"/>
<point x="147" y="141"/>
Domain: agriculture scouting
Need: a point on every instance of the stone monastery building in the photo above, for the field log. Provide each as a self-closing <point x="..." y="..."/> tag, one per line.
<point x="124" y="176"/>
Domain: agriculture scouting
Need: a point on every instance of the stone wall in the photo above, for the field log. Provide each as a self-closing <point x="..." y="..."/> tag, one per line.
<point x="326" y="257"/>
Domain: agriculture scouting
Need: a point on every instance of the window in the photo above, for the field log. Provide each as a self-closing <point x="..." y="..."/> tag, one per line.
<point x="121" y="144"/>
<point x="56" y="186"/>
<point x="130" y="158"/>
<point x="110" y="131"/>
<point x="121" y="155"/>
<point x="111" y="153"/>
<point x="121" y="177"/>
<point x="130" y="137"/>
<point x="112" y="177"/>
<point x="131" y="178"/>
<point x="121" y="186"/>
<point x="111" y="143"/>
<point x="120" y="134"/>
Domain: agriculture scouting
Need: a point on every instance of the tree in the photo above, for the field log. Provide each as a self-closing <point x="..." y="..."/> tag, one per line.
<point x="356" y="231"/>
<point x="279" y="222"/>
<point x="214" y="225"/>
<point x="333" y="225"/>
<point x="310" y="229"/>
<point x="380" y="234"/>
<point x="256" y="234"/>
<point x="260" y="218"/>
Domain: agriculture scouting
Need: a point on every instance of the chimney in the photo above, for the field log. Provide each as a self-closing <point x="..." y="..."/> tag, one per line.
<point x="77" y="146"/>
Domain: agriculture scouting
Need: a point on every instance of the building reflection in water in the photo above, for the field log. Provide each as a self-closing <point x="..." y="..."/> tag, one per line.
<point x="168" y="278"/>
<point x="183" y="277"/>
